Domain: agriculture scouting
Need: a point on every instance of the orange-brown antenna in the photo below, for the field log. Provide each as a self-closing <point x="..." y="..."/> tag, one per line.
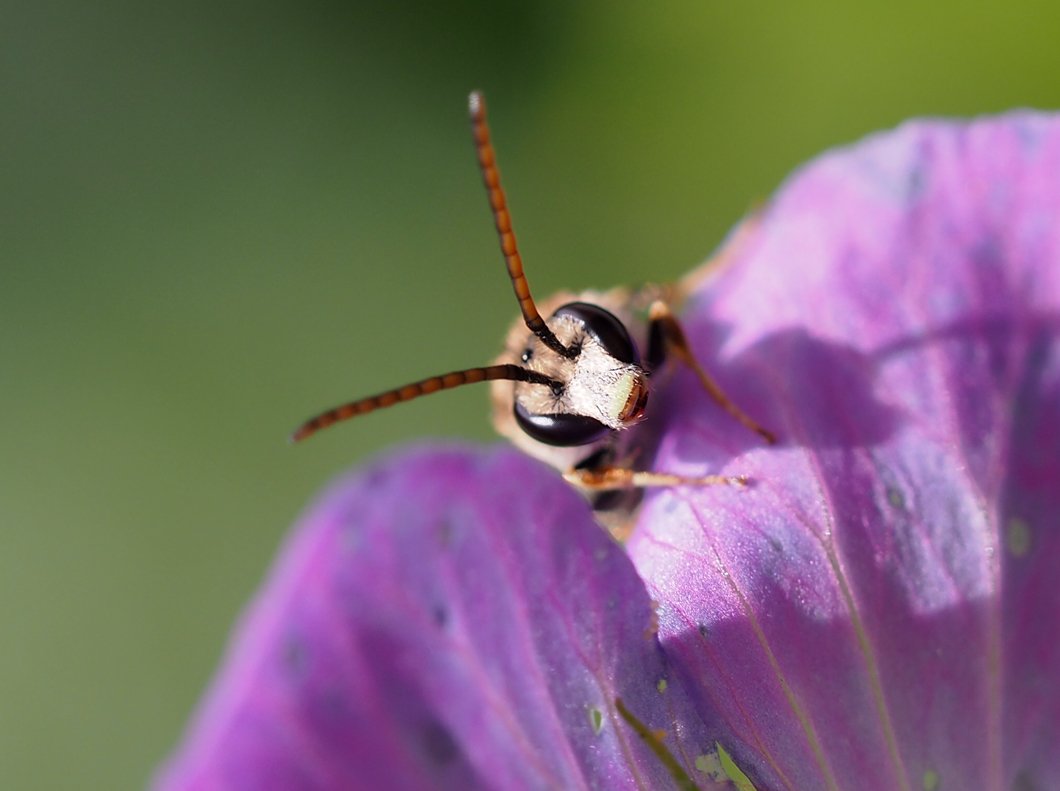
<point x="424" y="387"/>
<point x="487" y="161"/>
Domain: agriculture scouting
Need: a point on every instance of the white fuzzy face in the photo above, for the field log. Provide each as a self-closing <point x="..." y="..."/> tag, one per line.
<point x="596" y="384"/>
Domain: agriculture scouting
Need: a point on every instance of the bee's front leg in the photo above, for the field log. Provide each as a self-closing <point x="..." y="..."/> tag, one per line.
<point x="608" y="478"/>
<point x="615" y="491"/>
<point x="666" y="337"/>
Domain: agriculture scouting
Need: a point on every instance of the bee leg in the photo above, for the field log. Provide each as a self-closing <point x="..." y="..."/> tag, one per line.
<point x="607" y="478"/>
<point x="665" y="336"/>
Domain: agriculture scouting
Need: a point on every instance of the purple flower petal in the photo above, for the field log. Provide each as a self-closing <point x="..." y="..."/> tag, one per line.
<point x="878" y="611"/>
<point x="881" y="609"/>
<point x="423" y="630"/>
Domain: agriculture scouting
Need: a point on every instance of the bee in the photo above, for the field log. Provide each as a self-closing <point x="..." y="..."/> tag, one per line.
<point x="570" y="390"/>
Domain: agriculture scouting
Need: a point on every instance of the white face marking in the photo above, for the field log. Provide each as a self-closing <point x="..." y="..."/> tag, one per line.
<point x="596" y="384"/>
<point x="601" y="385"/>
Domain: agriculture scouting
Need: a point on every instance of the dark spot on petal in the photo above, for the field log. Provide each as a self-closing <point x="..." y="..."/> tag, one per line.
<point x="703" y="630"/>
<point x="333" y="704"/>
<point x="896" y="498"/>
<point x="1024" y="782"/>
<point x="1029" y="133"/>
<point x="445" y="532"/>
<point x="374" y="478"/>
<point x="438" y="744"/>
<point x="915" y="186"/>
<point x="988" y="253"/>
<point x="294" y="656"/>
<point x="440" y="615"/>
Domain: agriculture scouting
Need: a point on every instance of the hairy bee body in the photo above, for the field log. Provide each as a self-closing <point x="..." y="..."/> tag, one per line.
<point x="572" y="389"/>
<point x="630" y="306"/>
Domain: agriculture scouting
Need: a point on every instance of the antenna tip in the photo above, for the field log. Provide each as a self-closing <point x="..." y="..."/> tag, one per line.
<point x="476" y="103"/>
<point x="299" y="434"/>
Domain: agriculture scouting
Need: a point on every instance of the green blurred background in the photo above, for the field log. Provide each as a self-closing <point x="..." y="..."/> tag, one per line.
<point x="217" y="219"/>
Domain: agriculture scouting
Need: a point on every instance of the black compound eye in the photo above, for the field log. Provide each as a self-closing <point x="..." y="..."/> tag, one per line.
<point x="562" y="430"/>
<point x="605" y="328"/>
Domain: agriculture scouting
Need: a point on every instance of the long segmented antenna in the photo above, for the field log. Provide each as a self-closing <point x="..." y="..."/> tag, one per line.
<point x="487" y="161"/>
<point x="433" y="384"/>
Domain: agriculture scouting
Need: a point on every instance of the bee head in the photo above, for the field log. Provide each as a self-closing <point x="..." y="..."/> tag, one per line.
<point x="580" y="377"/>
<point x="601" y="386"/>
